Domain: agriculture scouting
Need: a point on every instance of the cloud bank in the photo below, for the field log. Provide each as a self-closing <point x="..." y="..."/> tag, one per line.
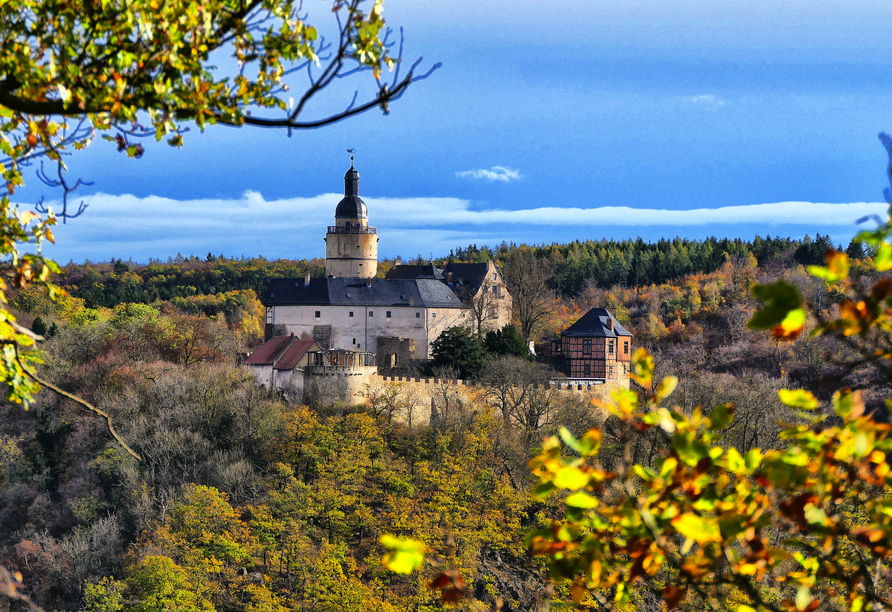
<point x="495" y="173"/>
<point x="141" y="228"/>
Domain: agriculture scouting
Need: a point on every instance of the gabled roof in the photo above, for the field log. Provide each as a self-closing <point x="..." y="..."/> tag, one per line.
<point x="419" y="292"/>
<point x="594" y="324"/>
<point x="407" y="271"/>
<point x="292" y="355"/>
<point x="282" y="352"/>
<point x="473" y="274"/>
<point x="269" y="352"/>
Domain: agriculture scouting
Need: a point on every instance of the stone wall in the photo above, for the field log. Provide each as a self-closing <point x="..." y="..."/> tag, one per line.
<point x="411" y="400"/>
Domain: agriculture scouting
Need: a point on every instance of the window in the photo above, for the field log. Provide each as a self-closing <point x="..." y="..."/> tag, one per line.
<point x="269" y="315"/>
<point x="388" y="314"/>
<point x="610" y="346"/>
<point x="587" y="370"/>
<point x="318" y="313"/>
<point x="626" y="347"/>
<point x="587" y="346"/>
<point x="354" y="340"/>
<point x="371" y="313"/>
<point x="610" y="370"/>
<point x="495" y="276"/>
<point x="434" y="315"/>
<point x="351" y="314"/>
<point x="417" y="315"/>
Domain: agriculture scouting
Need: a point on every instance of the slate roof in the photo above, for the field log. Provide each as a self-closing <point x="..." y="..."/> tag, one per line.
<point x="283" y="351"/>
<point x="406" y="271"/>
<point x="351" y="206"/>
<point x="593" y="324"/>
<point x="428" y="293"/>
<point x="469" y="273"/>
<point x="465" y="276"/>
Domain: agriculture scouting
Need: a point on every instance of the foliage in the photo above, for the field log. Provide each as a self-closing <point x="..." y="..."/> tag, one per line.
<point x="507" y="341"/>
<point x="459" y="349"/>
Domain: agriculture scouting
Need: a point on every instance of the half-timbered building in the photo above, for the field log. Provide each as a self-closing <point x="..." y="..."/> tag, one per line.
<point x="595" y="348"/>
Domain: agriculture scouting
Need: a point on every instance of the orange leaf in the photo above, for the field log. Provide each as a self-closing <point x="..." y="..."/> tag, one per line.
<point x="673" y="595"/>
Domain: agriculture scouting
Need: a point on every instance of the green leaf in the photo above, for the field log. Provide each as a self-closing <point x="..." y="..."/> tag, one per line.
<point x="590" y="443"/>
<point x="406" y="555"/>
<point x="779" y="299"/>
<point x="721" y="416"/>
<point x="569" y="439"/>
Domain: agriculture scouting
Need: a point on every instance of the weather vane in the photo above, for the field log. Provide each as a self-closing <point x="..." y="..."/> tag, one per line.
<point x="352" y="152"/>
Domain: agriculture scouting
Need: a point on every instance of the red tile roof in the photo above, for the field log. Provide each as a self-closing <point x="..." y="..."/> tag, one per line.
<point x="292" y="354"/>
<point x="267" y="354"/>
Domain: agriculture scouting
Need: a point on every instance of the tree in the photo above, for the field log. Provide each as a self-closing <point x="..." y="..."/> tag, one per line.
<point x="507" y="341"/>
<point x="70" y="71"/>
<point x="483" y="305"/>
<point x="527" y="278"/>
<point x="459" y="349"/>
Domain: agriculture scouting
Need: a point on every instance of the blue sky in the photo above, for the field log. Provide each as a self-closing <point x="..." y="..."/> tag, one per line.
<point x="548" y="122"/>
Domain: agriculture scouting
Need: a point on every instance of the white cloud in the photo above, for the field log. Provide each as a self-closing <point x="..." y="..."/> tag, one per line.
<point x="495" y="173"/>
<point x="126" y="226"/>
<point x="710" y="101"/>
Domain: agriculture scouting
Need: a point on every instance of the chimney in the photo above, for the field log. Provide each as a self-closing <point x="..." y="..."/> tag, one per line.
<point x="610" y="323"/>
<point x="368" y="282"/>
<point x="307" y="280"/>
<point x="397" y="262"/>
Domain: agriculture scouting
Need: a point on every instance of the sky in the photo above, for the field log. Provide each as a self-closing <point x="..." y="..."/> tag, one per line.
<point x="547" y="122"/>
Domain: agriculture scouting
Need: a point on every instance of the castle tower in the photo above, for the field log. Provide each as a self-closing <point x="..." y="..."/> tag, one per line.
<point x="351" y="245"/>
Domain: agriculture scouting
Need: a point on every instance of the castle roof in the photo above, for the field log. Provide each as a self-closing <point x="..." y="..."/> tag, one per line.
<point x="596" y="324"/>
<point x="406" y="271"/>
<point x="419" y="292"/>
<point x="351" y="206"/>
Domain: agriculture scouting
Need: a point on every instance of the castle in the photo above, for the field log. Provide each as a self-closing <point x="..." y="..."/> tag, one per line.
<point x="395" y="318"/>
<point x="334" y="338"/>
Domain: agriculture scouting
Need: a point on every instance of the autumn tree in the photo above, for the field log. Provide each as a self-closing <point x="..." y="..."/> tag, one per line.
<point x="71" y="72"/>
<point x="527" y="277"/>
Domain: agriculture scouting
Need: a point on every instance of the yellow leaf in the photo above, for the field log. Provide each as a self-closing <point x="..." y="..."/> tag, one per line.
<point x="581" y="500"/>
<point x="28" y="216"/>
<point x="883" y="259"/>
<point x="697" y="528"/>
<point x="570" y="478"/>
<point x="406" y="555"/>
<point x="666" y="387"/>
<point x="797" y="398"/>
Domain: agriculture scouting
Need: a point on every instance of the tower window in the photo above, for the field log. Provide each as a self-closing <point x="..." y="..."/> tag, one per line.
<point x="610" y="347"/>
<point x="350" y="314"/>
<point x="587" y="346"/>
<point x="434" y="315"/>
<point x="417" y="315"/>
<point x="318" y="313"/>
<point x="388" y="314"/>
<point x="626" y="347"/>
<point x="587" y="370"/>
<point x="371" y="313"/>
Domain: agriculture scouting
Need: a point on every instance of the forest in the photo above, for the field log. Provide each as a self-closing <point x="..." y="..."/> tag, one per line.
<point x="241" y="501"/>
